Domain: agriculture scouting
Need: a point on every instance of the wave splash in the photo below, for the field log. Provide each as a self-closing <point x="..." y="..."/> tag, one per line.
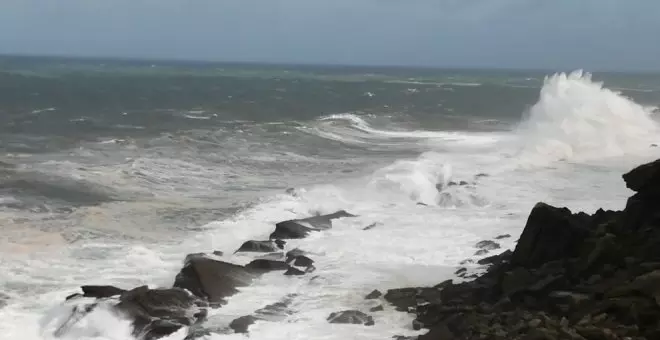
<point x="577" y="119"/>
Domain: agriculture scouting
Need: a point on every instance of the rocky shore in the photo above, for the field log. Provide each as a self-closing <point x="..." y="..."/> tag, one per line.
<point x="571" y="276"/>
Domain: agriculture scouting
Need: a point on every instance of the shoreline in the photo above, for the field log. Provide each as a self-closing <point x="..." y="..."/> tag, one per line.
<point x="571" y="276"/>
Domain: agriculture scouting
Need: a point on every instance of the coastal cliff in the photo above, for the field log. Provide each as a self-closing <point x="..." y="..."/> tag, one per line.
<point x="571" y="276"/>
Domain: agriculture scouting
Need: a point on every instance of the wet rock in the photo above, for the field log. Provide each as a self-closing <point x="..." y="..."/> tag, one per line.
<point x="503" y="236"/>
<point x="218" y="253"/>
<point x="402" y="298"/>
<point x="487" y="245"/>
<point x="160" y="312"/>
<point x="496" y="259"/>
<point x="644" y="178"/>
<point x="371" y="226"/>
<point x="351" y="317"/>
<point x="295" y="229"/>
<point x="101" y="291"/>
<point x="263" y="265"/>
<point x="300" y="261"/>
<point x="211" y="279"/>
<point x="261" y="246"/>
<point x="291" y="271"/>
<point x="374" y="295"/>
<point x="550" y="234"/>
<point x="378" y="308"/>
<point x="241" y="325"/>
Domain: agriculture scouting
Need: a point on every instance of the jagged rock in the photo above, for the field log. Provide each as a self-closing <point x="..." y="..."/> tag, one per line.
<point x="496" y="259"/>
<point x="378" y="308"/>
<point x="550" y="234"/>
<point x="261" y="246"/>
<point x="154" y="313"/>
<point x="300" y="261"/>
<point x="262" y="265"/>
<point x="3" y="299"/>
<point x="402" y="298"/>
<point x="101" y="291"/>
<point x="644" y="178"/>
<point x="294" y="229"/>
<point x="374" y="295"/>
<point x="487" y="245"/>
<point x="241" y="325"/>
<point x="351" y="317"/>
<point x="212" y="279"/>
<point x="293" y="271"/>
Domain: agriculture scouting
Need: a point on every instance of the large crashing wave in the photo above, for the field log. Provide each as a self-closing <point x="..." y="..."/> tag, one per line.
<point x="577" y="119"/>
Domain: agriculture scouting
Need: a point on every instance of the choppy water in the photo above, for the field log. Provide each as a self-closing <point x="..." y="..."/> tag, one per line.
<point x="113" y="171"/>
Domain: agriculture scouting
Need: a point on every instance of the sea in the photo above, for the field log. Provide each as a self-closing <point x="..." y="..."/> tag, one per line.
<point x="111" y="171"/>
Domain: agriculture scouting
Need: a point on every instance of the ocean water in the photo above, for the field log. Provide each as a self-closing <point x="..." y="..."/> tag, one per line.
<point x="113" y="171"/>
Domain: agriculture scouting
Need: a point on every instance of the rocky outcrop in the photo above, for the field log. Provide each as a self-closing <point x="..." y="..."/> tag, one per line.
<point x="261" y="246"/>
<point x="155" y="313"/>
<point x="295" y="229"/>
<point x="211" y="279"/>
<point x="351" y="317"/>
<point x="204" y="281"/>
<point x="571" y="276"/>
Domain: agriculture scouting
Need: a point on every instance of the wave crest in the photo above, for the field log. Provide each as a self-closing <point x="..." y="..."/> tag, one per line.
<point x="577" y="119"/>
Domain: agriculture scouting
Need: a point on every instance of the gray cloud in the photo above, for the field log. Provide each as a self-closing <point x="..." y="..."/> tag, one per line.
<point x="482" y="33"/>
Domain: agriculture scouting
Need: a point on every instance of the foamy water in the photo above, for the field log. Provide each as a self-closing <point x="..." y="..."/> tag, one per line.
<point x="570" y="151"/>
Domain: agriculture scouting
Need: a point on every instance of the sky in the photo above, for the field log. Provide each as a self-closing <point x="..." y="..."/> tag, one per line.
<point x="546" y="34"/>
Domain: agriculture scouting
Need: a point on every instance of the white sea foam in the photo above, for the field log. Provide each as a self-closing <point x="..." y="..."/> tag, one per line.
<point x="577" y="119"/>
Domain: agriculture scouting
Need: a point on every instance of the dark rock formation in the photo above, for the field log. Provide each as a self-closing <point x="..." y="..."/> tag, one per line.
<point x="242" y="324"/>
<point x="261" y="246"/>
<point x="211" y="279"/>
<point x="351" y="317"/>
<point x="374" y="295"/>
<point x="294" y="229"/>
<point x="101" y="291"/>
<point x="155" y="313"/>
<point x="294" y="271"/>
<point x="503" y="236"/>
<point x="571" y="276"/>
<point x="300" y="261"/>
<point x="262" y="265"/>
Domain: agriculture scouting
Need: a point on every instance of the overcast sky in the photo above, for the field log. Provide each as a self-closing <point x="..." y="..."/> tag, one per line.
<point x="591" y="34"/>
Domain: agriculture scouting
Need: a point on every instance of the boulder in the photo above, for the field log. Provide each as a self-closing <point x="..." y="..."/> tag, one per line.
<point x="644" y="178"/>
<point x="154" y="313"/>
<point x="211" y="279"/>
<point x="241" y="325"/>
<point x="550" y="234"/>
<point x="160" y="312"/>
<point x="261" y="246"/>
<point x="351" y="317"/>
<point x="263" y="265"/>
<point x="488" y="245"/>
<point x="300" y="261"/>
<point x="300" y="228"/>
<point x="291" y="271"/>
<point x="373" y="295"/>
<point x="101" y="291"/>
